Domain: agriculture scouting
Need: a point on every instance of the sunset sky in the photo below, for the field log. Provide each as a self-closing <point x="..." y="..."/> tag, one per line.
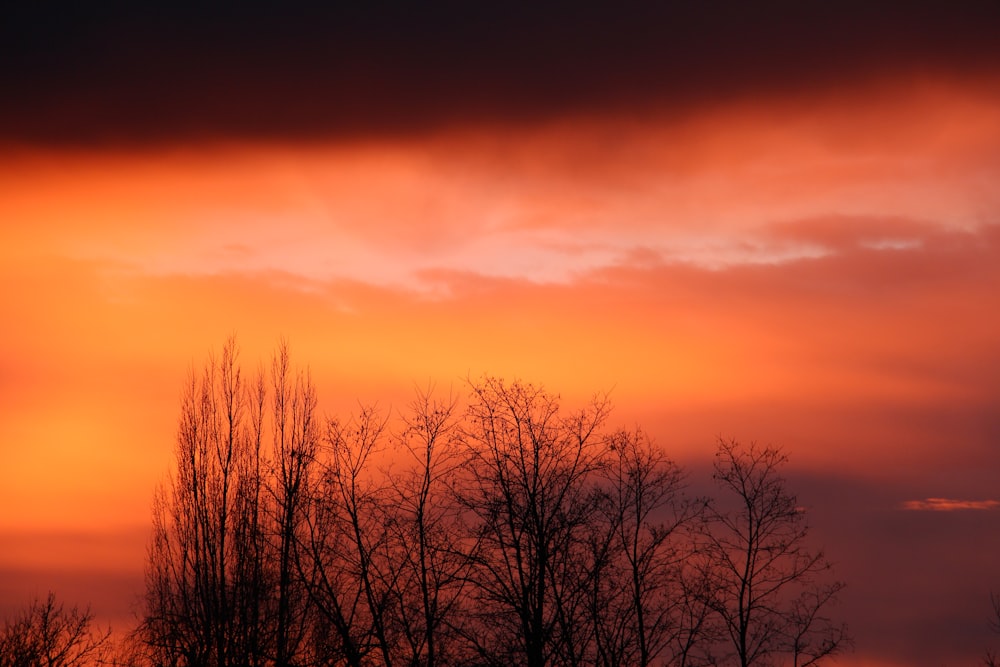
<point x="778" y="223"/>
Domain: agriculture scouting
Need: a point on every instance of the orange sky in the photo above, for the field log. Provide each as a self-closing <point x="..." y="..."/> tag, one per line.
<point x="818" y="271"/>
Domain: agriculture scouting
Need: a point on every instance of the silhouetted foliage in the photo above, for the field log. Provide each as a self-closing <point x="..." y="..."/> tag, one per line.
<point x="769" y="591"/>
<point x="529" y="504"/>
<point x="429" y="558"/>
<point x="220" y="585"/>
<point x="295" y="440"/>
<point x="642" y="607"/>
<point x="47" y="634"/>
<point x="348" y="542"/>
<point x="510" y="531"/>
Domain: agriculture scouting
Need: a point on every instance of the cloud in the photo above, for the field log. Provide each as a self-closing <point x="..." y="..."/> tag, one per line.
<point x="948" y="505"/>
<point x="751" y="185"/>
<point x="169" y="73"/>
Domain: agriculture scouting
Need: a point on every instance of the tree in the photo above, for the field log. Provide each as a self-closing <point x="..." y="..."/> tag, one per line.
<point x="641" y="607"/>
<point x="295" y="441"/>
<point x="46" y="634"/>
<point x="770" y="591"/>
<point x="344" y="553"/>
<point x="429" y="564"/>
<point x="513" y="532"/>
<point x="203" y="578"/>
<point x="220" y="577"/>
<point x="528" y="498"/>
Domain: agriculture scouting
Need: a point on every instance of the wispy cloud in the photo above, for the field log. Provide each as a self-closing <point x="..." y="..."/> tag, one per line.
<point x="948" y="505"/>
<point x="548" y="205"/>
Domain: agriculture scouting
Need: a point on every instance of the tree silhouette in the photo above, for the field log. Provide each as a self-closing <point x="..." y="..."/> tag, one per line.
<point x="769" y="589"/>
<point x="508" y="531"/>
<point x="642" y="612"/>
<point x="528" y="499"/>
<point x="295" y="441"/>
<point x="220" y="582"/>
<point x="46" y="634"/>
<point x="429" y="563"/>
<point x="348" y="541"/>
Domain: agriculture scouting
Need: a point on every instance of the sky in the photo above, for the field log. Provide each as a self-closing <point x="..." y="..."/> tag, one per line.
<point x="777" y="222"/>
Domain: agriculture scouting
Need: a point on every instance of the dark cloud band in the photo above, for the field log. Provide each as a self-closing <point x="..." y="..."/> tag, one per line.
<point x="148" y="73"/>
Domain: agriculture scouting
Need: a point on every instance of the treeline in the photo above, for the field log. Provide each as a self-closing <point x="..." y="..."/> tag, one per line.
<point x="504" y="531"/>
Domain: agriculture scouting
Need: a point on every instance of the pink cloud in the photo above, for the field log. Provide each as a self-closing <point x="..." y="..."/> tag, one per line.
<point x="948" y="505"/>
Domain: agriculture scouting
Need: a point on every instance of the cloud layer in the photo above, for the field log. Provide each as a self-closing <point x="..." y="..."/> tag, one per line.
<point x="168" y="73"/>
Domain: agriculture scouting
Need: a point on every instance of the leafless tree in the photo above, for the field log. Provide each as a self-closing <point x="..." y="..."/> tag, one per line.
<point x="771" y="590"/>
<point x="811" y="634"/>
<point x="221" y="587"/>
<point x="295" y="442"/>
<point x="529" y="500"/>
<point x="698" y="628"/>
<point x="47" y="634"/>
<point x="642" y="610"/>
<point x="199" y="533"/>
<point x="345" y="552"/>
<point x="429" y="563"/>
<point x="512" y="532"/>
